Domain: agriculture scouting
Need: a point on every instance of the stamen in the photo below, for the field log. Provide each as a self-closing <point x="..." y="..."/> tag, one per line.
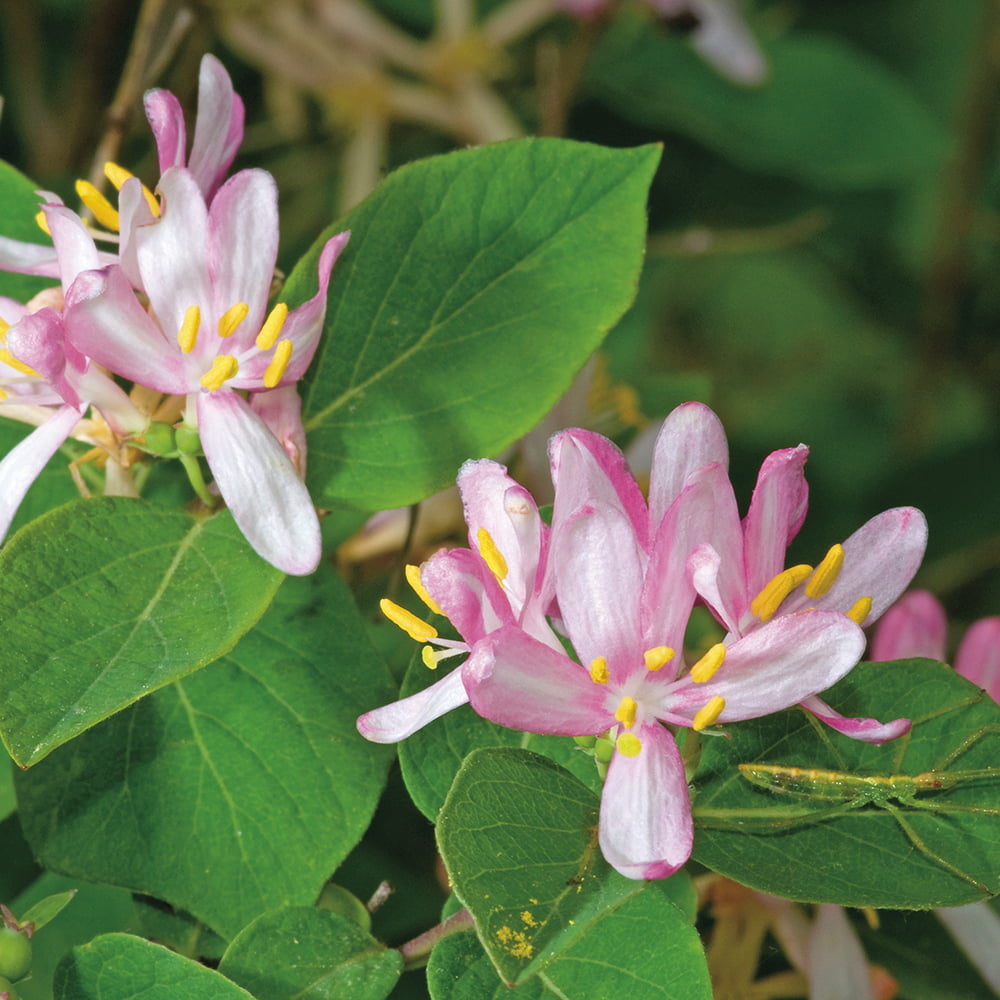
<point x="432" y="657"/>
<point x="231" y="319"/>
<point x="657" y="657"/>
<point x="708" y="713"/>
<point x="223" y="369"/>
<point x="625" y="713"/>
<point x="276" y="369"/>
<point x="413" y="579"/>
<point x="628" y="745"/>
<point x="8" y="359"/>
<point x="769" y="599"/>
<point x="187" y="335"/>
<point x="104" y="212"/>
<point x="119" y="175"/>
<point x="860" y="610"/>
<point x="43" y="223"/>
<point x="272" y="327"/>
<point x="492" y="556"/>
<point x="826" y="572"/>
<point x="416" y="628"/>
<point x="599" y="670"/>
<point x="706" y="667"/>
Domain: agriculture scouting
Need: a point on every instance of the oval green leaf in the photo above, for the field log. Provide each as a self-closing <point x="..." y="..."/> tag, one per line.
<point x="474" y="287"/>
<point x="104" y="601"/>
<point x="941" y="849"/>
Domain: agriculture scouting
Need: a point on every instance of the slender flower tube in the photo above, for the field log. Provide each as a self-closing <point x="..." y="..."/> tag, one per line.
<point x="500" y="580"/>
<point x="624" y="592"/>
<point x="207" y="273"/>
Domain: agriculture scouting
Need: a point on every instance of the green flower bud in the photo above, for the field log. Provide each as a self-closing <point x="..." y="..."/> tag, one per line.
<point x="188" y="440"/>
<point x="159" y="439"/>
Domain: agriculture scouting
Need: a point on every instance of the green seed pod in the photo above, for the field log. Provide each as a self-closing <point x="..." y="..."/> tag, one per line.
<point x="159" y="439"/>
<point x="15" y="954"/>
<point x="187" y="440"/>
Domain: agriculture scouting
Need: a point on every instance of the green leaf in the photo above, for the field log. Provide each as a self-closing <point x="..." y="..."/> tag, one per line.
<point x="18" y="208"/>
<point x="236" y="790"/>
<point x="301" y="953"/>
<point x="122" y="967"/>
<point x="827" y="114"/>
<point x="104" y="601"/>
<point x="815" y="847"/>
<point x="518" y="835"/>
<point x="474" y="287"/>
<point x="431" y="757"/>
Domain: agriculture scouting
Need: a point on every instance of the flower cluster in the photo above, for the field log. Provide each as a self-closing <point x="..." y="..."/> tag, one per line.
<point x="181" y="311"/>
<point x="616" y="578"/>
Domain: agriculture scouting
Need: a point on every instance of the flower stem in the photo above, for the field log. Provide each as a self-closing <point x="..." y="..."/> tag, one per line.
<point x="416" y="952"/>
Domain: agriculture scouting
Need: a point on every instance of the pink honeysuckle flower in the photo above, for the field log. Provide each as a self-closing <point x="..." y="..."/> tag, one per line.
<point x="218" y="127"/>
<point x="44" y="380"/>
<point x="207" y="272"/>
<point x="916" y="625"/>
<point x="500" y="580"/>
<point x="624" y="591"/>
<point x="739" y="570"/>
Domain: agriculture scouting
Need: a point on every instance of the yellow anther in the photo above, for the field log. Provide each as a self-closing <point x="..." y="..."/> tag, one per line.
<point x="657" y="657"/>
<point x="413" y="579"/>
<point x="104" y="212"/>
<point x="826" y="572"/>
<point x="706" y="667"/>
<point x="769" y="599"/>
<point x="599" y="670"/>
<point x="708" y="713"/>
<point x="119" y="175"/>
<point x="4" y="328"/>
<point x="625" y="713"/>
<point x="3" y="395"/>
<point x="271" y="329"/>
<point x="416" y="628"/>
<point x="8" y="359"/>
<point x="871" y="917"/>
<point x="223" y="369"/>
<point x="860" y="610"/>
<point x="231" y="319"/>
<point x="43" y="223"/>
<point x="628" y="745"/>
<point x="492" y="556"/>
<point x="187" y="335"/>
<point x="431" y="656"/>
<point x="275" y="371"/>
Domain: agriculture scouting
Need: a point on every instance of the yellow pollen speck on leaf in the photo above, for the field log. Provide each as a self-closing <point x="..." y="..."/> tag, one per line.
<point x="231" y="319"/>
<point x="504" y="934"/>
<point x="417" y="585"/>
<point x="492" y="556"/>
<point x="416" y="628"/>
<point x="103" y="211"/>
<point x="599" y="670"/>
<point x="706" y="667"/>
<point x="826" y="572"/>
<point x="271" y="329"/>
<point x="528" y="918"/>
<point x="276" y="369"/>
<point x="223" y="369"/>
<point x="860" y="610"/>
<point x="187" y="335"/>
<point x="119" y="175"/>
<point x="43" y="223"/>
<point x="625" y="713"/>
<point x="628" y="745"/>
<point x="708" y="713"/>
<point x="766" y="603"/>
<point x="657" y="657"/>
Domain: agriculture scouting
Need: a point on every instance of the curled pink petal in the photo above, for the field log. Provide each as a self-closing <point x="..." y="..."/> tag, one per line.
<point x="218" y="127"/>
<point x="399" y="719"/>
<point x="866" y="730"/>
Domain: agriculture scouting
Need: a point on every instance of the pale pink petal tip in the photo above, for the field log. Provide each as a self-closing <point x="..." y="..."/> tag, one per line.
<point x="866" y="730"/>
<point x="394" y="722"/>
